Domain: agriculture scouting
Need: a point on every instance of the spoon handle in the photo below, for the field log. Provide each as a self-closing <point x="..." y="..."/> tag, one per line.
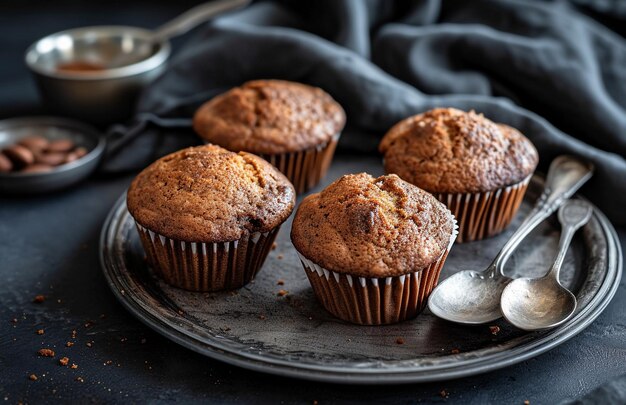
<point x="572" y="215"/>
<point x="194" y="17"/>
<point x="565" y="176"/>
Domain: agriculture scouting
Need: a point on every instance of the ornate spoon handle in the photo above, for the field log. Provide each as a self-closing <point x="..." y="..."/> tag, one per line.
<point x="565" y="176"/>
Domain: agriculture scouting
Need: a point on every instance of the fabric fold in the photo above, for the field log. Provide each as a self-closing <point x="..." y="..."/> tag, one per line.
<point x="543" y="67"/>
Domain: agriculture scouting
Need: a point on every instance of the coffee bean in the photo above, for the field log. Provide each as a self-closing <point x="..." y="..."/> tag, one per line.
<point x="51" y="158"/>
<point x="37" y="168"/>
<point x="34" y="143"/>
<point x="80" y="152"/>
<point x="70" y="157"/>
<point x="60" y="145"/>
<point x="5" y="163"/>
<point x="19" y="155"/>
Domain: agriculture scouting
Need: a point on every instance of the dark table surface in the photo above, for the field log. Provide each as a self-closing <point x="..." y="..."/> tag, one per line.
<point x="49" y="246"/>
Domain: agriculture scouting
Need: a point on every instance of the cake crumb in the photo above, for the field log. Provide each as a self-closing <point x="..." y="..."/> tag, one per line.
<point x="274" y="246"/>
<point x="262" y="317"/>
<point x="39" y="299"/>
<point x="14" y="320"/>
<point x="89" y="324"/>
<point x="444" y="394"/>
<point x="74" y="334"/>
<point x="89" y="344"/>
<point x="282" y="293"/>
<point x="180" y="312"/>
<point x="32" y="377"/>
<point x="46" y="352"/>
<point x="40" y="331"/>
<point x="69" y="344"/>
<point x="64" y="361"/>
<point x="80" y="379"/>
<point x="455" y="351"/>
<point x="526" y="402"/>
<point x="400" y="341"/>
<point x="280" y="257"/>
<point x="74" y="366"/>
<point x="494" y="329"/>
<point x="280" y="282"/>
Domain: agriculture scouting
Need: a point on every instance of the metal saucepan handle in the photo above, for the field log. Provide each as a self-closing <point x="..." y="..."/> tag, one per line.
<point x="565" y="176"/>
<point x="194" y="17"/>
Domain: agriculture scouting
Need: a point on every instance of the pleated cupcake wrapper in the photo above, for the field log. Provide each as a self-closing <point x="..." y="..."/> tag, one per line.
<point x="375" y="301"/>
<point x="486" y="214"/>
<point x="305" y="168"/>
<point x="206" y="267"/>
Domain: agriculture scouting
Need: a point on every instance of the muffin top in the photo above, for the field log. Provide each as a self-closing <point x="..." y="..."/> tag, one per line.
<point x="446" y="150"/>
<point x="208" y="194"/>
<point x="270" y="116"/>
<point x="372" y="227"/>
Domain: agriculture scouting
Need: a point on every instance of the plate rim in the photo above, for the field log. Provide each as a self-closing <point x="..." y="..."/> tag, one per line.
<point x="470" y="367"/>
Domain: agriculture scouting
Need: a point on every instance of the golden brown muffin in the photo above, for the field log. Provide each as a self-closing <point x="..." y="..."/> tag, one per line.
<point x="270" y="117"/>
<point x="372" y="227"/>
<point x="446" y="150"/>
<point x="208" y="194"/>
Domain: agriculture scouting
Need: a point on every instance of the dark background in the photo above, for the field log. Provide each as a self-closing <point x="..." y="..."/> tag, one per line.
<point x="49" y="245"/>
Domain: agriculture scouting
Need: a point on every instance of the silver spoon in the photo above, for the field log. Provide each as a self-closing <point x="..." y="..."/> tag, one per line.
<point x="175" y="27"/>
<point x="541" y="303"/>
<point x="473" y="297"/>
<point x="195" y="16"/>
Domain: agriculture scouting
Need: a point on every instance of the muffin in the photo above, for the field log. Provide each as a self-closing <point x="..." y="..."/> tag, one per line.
<point x="293" y="126"/>
<point x="478" y="168"/>
<point x="207" y="217"/>
<point x="373" y="248"/>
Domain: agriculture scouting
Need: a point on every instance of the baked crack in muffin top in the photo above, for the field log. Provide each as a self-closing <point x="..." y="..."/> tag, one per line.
<point x="270" y="117"/>
<point x="446" y="150"/>
<point x="372" y="227"/>
<point x="208" y="194"/>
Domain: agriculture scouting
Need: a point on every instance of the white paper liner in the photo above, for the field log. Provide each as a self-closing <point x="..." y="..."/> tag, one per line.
<point x="206" y="267"/>
<point x="485" y="214"/>
<point x="375" y="301"/>
<point x="305" y="168"/>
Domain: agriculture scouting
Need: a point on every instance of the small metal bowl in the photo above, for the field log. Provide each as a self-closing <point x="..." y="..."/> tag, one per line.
<point x="123" y="59"/>
<point x="12" y="130"/>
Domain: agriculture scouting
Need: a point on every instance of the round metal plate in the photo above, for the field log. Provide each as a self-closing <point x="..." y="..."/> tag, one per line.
<point x="293" y="336"/>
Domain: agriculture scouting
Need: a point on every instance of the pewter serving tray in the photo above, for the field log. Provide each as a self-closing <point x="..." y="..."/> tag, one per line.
<point x="294" y="336"/>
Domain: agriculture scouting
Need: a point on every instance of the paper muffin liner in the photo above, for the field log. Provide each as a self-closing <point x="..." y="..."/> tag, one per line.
<point x="197" y="266"/>
<point x="485" y="214"/>
<point x="305" y="168"/>
<point x="375" y="301"/>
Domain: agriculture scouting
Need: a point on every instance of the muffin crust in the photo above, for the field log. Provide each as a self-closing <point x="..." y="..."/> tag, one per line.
<point x="208" y="194"/>
<point x="271" y="117"/>
<point x="446" y="150"/>
<point x="372" y="227"/>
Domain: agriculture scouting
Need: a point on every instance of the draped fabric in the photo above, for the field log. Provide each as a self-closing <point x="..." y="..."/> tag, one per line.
<point x="543" y="67"/>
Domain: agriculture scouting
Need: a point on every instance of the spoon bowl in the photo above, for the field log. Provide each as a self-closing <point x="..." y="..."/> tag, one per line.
<point x="535" y="304"/>
<point x="541" y="303"/>
<point x="468" y="297"/>
<point x="473" y="297"/>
